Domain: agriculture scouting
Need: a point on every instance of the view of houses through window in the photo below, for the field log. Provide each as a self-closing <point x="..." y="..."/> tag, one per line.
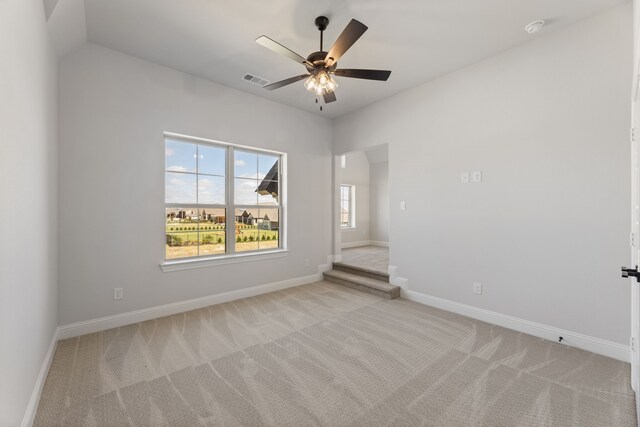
<point x="207" y="182"/>
<point x="256" y="229"/>
<point x="347" y="210"/>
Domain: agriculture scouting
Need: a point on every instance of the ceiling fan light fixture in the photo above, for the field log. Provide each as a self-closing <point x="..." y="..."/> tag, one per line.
<point x="320" y="83"/>
<point x="332" y="85"/>
<point x="310" y="84"/>
<point x="323" y="78"/>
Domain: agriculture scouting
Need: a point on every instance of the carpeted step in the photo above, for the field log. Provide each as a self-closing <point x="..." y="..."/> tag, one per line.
<point x="361" y="271"/>
<point x="361" y="283"/>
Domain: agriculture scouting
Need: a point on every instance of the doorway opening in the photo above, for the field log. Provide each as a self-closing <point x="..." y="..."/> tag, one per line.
<point x="362" y="209"/>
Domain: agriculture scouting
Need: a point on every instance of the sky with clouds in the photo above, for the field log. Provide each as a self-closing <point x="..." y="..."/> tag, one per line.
<point x="196" y="174"/>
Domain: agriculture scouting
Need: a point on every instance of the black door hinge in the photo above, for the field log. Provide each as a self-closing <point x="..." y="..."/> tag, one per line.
<point x="631" y="272"/>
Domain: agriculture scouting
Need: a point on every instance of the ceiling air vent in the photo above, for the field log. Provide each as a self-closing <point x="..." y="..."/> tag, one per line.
<point x="255" y="80"/>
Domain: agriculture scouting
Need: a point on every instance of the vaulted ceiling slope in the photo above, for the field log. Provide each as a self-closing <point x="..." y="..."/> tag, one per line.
<point x="418" y="40"/>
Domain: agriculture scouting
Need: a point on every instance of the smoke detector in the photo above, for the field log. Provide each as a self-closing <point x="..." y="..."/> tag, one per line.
<point x="534" y="27"/>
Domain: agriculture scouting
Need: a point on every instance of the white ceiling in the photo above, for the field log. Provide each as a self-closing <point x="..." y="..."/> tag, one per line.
<point x="418" y="40"/>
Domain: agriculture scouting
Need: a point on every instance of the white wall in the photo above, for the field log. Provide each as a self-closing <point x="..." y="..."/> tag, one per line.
<point x="356" y="173"/>
<point x="636" y="38"/>
<point x="379" y="202"/>
<point x="547" y="230"/>
<point x="28" y="135"/>
<point x="113" y="110"/>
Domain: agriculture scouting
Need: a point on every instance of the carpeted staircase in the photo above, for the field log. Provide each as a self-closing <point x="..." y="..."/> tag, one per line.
<point x="362" y="279"/>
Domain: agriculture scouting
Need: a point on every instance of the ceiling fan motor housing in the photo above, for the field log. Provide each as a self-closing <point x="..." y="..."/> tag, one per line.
<point x="317" y="59"/>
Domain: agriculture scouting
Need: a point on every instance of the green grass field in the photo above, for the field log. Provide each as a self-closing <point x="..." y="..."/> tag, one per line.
<point x="251" y="238"/>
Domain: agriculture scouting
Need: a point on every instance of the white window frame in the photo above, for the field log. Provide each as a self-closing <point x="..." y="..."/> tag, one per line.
<point x="231" y="256"/>
<point x="352" y="207"/>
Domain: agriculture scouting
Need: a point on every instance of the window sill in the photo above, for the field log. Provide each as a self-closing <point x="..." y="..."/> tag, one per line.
<point x="348" y="228"/>
<point x="169" y="266"/>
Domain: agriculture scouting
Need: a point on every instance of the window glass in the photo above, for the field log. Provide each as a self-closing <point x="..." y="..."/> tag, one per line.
<point x="245" y="164"/>
<point x="211" y="160"/>
<point x="198" y="198"/>
<point x="181" y="230"/>
<point x="246" y="191"/>
<point x="268" y="228"/>
<point x="180" y="156"/>
<point x="180" y="188"/>
<point x="346" y="206"/>
<point x="211" y="190"/>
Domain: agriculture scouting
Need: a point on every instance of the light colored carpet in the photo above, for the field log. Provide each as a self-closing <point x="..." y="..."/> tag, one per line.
<point x="370" y="257"/>
<point x="323" y="354"/>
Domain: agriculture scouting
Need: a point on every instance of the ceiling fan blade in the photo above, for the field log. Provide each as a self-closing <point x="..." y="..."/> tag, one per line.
<point x="329" y="97"/>
<point x="285" y="82"/>
<point x="382" y="75"/>
<point x="349" y="36"/>
<point x="282" y="50"/>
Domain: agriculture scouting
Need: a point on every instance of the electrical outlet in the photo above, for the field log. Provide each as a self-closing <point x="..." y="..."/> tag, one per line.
<point x="306" y="262"/>
<point x="118" y="293"/>
<point x="464" y="177"/>
<point x="403" y="206"/>
<point x="476" y="176"/>
<point x="477" y="288"/>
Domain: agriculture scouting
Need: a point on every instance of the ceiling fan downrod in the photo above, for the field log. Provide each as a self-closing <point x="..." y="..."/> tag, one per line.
<point x="322" y="22"/>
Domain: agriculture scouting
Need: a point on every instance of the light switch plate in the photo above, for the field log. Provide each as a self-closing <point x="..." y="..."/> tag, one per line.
<point x="477" y="176"/>
<point x="464" y="177"/>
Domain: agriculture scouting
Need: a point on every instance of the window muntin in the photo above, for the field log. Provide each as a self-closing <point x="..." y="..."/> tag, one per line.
<point x="347" y="206"/>
<point x="205" y="181"/>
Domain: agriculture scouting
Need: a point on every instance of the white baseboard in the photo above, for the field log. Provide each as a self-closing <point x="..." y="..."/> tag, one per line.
<point x="346" y="245"/>
<point x="394" y="279"/>
<point x="399" y="281"/>
<point x="122" y="319"/>
<point x="32" y="407"/>
<point x="573" y="339"/>
<point x="325" y="267"/>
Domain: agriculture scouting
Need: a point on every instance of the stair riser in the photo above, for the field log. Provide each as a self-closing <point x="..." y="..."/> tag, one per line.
<point x="359" y="280"/>
<point x="346" y="269"/>
<point x="393" y="294"/>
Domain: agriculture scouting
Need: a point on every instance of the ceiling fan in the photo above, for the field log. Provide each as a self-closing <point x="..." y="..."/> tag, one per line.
<point x="321" y="65"/>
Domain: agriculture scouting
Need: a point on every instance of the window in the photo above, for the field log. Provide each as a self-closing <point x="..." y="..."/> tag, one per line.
<point x="220" y="199"/>
<point x="347" y="206"/>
